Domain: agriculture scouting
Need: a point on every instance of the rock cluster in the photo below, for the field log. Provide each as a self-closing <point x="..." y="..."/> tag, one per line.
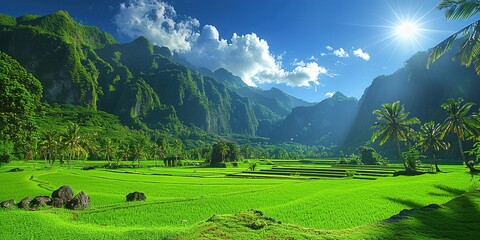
<point x="136" y="196"/>
<point x="62" y="197"/>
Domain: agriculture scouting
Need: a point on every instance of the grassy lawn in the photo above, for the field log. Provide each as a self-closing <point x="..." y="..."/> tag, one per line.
<point x="180" y="200"/>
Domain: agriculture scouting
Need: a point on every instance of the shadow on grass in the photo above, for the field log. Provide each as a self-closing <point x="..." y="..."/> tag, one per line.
<point x="451" y="190"/>
<point x="457" y="219"/>
<point x="406" y="202"/>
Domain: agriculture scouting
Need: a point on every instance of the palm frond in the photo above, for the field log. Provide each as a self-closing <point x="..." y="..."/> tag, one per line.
<point x="447" y="44"/>
<point x="460" y="9"/>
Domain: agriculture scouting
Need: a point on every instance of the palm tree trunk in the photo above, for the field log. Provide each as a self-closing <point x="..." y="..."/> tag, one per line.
<point x="400" y="155"/>
<point x="435" y="161"/>
<point x="70" y="158"/>
<point x="460" y="146"/>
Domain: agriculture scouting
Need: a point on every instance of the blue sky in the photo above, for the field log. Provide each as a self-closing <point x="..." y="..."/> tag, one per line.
<point x="308" y="48"/>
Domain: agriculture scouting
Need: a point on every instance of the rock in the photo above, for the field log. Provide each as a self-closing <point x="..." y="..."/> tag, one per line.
<point x="136" y="196"/>
<point x="394" y="218"/>
<point x="16" y="170"/>
<point x="64" y="192"/>
<point x="57" y="203"/>
<point x="407" y="212"/>
<point x="79" y="202"/>
<point x="432" y="206"/>
<point x="8" y="203"/>
<point x="40" y="201"/>
<point x="24" y="203"/>
<point x="257" y="212"/>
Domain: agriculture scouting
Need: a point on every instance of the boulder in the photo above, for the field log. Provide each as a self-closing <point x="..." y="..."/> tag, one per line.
<point x="57" y="203"/>
<point x="64" y="192"/>
<point x="79" y="202"/>
<point x="40" y="201"/>
<point x="136" y="196"/>
<point x="24" y="203"/>
<point x="8" y="203"/>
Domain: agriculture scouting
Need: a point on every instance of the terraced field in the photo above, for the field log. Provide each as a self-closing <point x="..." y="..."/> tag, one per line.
<point x="179" y="199"/>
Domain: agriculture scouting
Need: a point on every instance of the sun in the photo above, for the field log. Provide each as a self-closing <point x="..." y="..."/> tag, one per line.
<point x="407" y="30"/>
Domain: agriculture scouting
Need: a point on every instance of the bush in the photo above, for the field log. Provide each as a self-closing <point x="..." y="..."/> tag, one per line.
<point x="369" y="156"/>
<point x="5" y="158"/>
<point x="411" y="158"/>
<point x="343" y="161"/>
<point x="220" y="165"/>
<point x="234" y="164"/>
<point x="253" y="166"/>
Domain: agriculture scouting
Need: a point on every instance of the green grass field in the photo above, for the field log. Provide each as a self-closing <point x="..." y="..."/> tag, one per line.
<point x="180" y="200"/>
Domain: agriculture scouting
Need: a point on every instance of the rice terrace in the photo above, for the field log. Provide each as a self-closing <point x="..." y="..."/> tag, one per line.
<point x="143" y="119"/>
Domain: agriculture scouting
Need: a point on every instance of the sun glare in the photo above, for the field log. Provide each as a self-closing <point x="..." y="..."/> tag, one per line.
<point x="407" y="30"/>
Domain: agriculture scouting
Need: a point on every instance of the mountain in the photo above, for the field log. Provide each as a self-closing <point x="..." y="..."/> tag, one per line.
<point x="137" y="81"/>
<point x="419" y="89"/>
<point x="326" y="123"/>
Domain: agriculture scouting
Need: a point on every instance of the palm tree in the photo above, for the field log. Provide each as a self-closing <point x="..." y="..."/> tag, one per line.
<point x="49" y="146"/>
<point x="72" y="138"/>
<point x="224" y="149"/>
<point x="125" y="151"/>
<point x="108" y="148"/>
<point x="431" y="140"/>
<point x="393" y="124"/>
<point x="469" y="50"/>
<point x="137" y="153"/>
<point x="459" y="122"/>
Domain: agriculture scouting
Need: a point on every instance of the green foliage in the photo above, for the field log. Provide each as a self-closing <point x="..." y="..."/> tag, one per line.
<point x="469" y="46"/>
<point x="252" y="166"/>
<point x="411" y="159"/>
<point x="393" y="123"/>
<point x="459" y="122"/>
<point x="369" y="156"/>
<point x="222" y="152"/>
<point x="20" y="94"/>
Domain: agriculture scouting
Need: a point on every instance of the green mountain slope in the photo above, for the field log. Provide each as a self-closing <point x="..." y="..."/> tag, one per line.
<point x="327" y="123"/>
<point x="137" y="81"/>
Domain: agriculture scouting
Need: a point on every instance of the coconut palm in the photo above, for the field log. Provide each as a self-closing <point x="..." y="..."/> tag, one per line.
<point x="469" y="50"/>
<point x="108" y="149"/>
<point x="72" y="138"/>
<point x="224" y="149"/>
<point x="393" y="124"/>
<point x="459" y="122"/>
<point x="431" y="140"/>
<point x="137" y="153"/>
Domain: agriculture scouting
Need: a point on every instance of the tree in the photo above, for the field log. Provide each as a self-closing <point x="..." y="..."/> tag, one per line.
<point x="393" y="124"/>
<point x="72" y="138"/>
<point x="469" y="50"/>
<point x="431" y="140"/>
<point x="459" y="122"/>
<point x="108" y="148"/>
<point x="137" y="153"/>
<point x="224" y="149"/>
<point x="20" y="94"/>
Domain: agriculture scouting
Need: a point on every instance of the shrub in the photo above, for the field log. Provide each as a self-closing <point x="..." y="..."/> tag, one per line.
<point x="253" y="166"/>
<point x="411" y="158"/>
<point x="5" y="158"/>
<point x="343" y="161"/>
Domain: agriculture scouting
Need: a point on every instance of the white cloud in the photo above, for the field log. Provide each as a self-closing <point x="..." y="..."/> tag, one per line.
<point x="323" y="54"/>
<point x="341" y="53"/>
<point x="156" y="21"/>
<point x="329" y="94"/>
<point x="247" y="56"/>
<point x="361" y="54"/>
<point x="329" y="48"/>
